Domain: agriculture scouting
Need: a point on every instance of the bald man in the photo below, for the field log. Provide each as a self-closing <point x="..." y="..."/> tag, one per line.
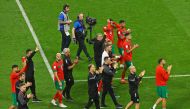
<point x="58" y="80"/>
<point x="78" y="33"/>
<point x="134" y="81"/>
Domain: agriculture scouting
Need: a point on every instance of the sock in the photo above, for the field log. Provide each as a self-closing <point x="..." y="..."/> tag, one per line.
<point x="60" y="98"/>
<point x="154" y="106"/>
<point x="56" y="96"/>
<point x="100" y="86"/>
<point x="123" y="76"/>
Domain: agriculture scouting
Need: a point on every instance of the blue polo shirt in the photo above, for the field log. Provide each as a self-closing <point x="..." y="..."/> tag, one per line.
<point x="78" y="26"/>
<point x="61" y="17"/>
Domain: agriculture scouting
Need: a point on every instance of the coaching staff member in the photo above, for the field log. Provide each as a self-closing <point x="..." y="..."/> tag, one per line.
<point x="78" y="33"/>
<point x="93" y="78"/>
<point x="134" y="81"/>
<point x="30" y="72"/>
<point x="109" y="70"/>
<point x="64" y="26"/>
<point x="68" y="66"/>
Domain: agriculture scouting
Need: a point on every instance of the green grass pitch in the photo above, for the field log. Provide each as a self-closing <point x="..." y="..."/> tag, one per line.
<point x="160" y="27"/>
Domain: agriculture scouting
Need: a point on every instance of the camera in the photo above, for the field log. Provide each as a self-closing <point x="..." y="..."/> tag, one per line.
<point x="91" y="21"/>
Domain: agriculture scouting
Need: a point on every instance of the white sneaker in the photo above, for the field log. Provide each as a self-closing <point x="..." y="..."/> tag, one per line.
<point x="53" y="102"/>
<point x="121" y="66"/>
<point x="62" y="105"/>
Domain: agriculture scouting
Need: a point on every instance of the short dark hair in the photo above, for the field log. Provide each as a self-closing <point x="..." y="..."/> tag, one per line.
<point x="28" y="50"/>
<point x="14" y="66"/>
<point x="122" y="21"/>
<point x="106" y="58"/>
<point x="65" y="6"/>
<point x="160" y="60"/>
<point x="21" y="84"/>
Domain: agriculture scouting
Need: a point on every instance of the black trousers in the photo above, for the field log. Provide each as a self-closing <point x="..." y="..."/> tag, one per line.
<point x="69" y="84"/>
<point x="33" y="86"/>
<point x="107" y="88"/>
<point x="98" y="62"/>
<point x="82" y="46"/>
<point x="66" y="40"/>
<point x="93" y="100"/>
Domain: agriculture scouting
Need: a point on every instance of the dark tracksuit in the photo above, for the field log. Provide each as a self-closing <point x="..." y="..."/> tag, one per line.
<point x="30" y="73"/>
<point x="22" y="100"/>
<point x="17" y="87"/>
<point x="98" y="50"/>
<point x="93" y="90"/>
<point x="68" y="76"/>
<point x="80" y="37"/>
<point x="108" y="74"/>
<point x="134" y="80"/>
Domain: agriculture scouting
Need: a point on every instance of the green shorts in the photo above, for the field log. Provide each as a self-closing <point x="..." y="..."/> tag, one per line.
<point x="120" y="51"/>
<point x="128" y="64"/>
<point x="162" y="91"/>
<point x="113" y="49"/>
<point x="14" y="101"/>
<point x="58" y="87"/>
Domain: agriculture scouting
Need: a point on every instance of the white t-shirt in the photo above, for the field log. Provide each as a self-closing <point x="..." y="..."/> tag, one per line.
<point x="104" y="54"/>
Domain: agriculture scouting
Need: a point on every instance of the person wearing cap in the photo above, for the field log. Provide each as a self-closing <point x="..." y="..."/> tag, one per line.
<point x="64" y="26"/>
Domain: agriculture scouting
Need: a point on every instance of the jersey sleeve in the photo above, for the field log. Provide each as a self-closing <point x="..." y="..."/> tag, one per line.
<point x="54" y="67"/>
<point x="61" y="16"/>
<point x="76" y="25"/>
<point x="165" y="75"/>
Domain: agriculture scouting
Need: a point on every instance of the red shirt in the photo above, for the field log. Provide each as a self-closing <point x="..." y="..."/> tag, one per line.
<point x="108" y="31"/>
<point x="58" y="67"/>
<point x="14" y="78"/>
<point x="161" y="76"/>
<point x="126" y="47"/>
<point x="121" y="37"/>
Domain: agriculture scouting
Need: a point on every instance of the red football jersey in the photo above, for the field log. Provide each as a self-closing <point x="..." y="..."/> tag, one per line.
<point x="14" y="78"/>
<point x="127" y="46"/>
<point x="58" y="67"/>
<point x="161" y="76"/>
<point x="121" y="37"/>
<point x="108" y="32"/>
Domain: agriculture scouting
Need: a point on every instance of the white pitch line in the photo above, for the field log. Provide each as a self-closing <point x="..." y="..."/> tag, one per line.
<point x="35" y="37"/>
<point x="146" y="77"/>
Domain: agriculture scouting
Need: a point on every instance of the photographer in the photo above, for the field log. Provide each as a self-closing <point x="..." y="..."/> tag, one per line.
<point x="78" y="33"/>
<point x="63" y="23"/>
<point x="109" y="70"/>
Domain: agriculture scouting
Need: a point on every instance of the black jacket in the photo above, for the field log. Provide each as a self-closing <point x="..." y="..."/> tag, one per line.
<point x="30" y="65"/>
<point x="93" y="84"/>
<point x="134" y="81"/>
<point x="98" y="48"/>
<point x="108" y="73"/>
<point x="22" y="100"/>
<point x="66" y="63"/>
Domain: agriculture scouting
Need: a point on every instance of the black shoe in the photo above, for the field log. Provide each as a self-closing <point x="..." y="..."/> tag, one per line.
<point x="103" y="106"/>
<point x="79" y="58"/>
<point x="36" y="100"/>
<point x="90" y="59"/>
<point x="119" y="106"/>
<point x="69" y="99"/>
